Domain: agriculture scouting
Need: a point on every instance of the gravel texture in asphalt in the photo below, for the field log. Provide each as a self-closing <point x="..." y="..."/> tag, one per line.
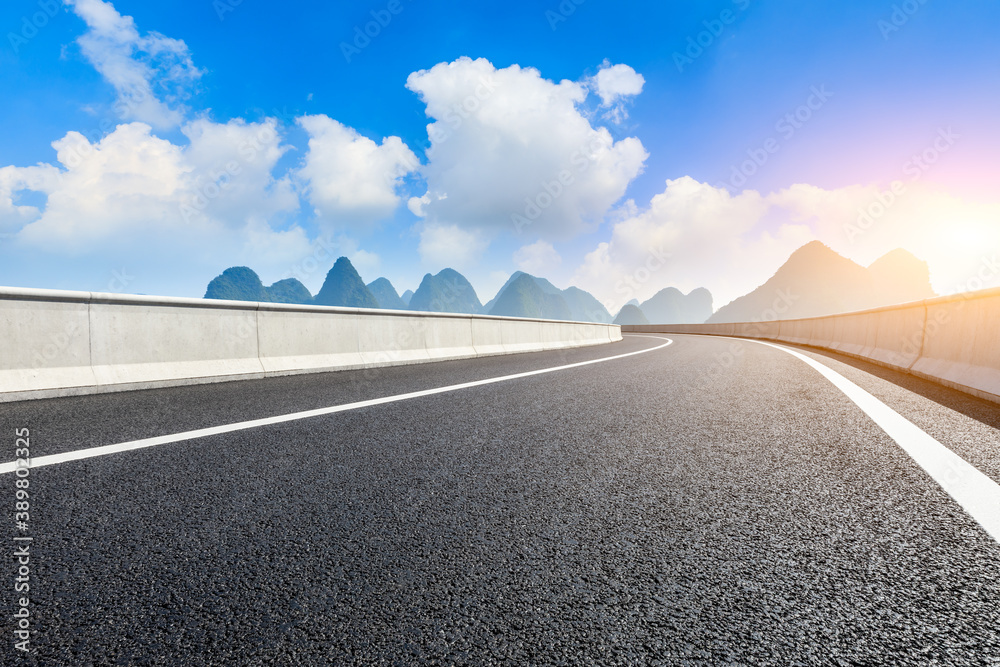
<point x="713" y="502"/>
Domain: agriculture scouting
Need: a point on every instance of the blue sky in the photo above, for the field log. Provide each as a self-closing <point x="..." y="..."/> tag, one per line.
<point x="699" y="143"/>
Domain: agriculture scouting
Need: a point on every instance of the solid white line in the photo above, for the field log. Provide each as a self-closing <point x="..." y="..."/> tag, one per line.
<point x="975" y="492"/>
<point x="51" y="459"/>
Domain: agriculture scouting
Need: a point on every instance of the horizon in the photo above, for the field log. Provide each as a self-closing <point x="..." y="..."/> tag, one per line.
<point x="485" y="299"/>
<point x="152" y="151"/>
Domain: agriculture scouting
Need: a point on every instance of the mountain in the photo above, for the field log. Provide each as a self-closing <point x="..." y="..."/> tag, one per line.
<point x="406" y="296"/>
<point x="670" y="306"/>
<point x="524" y="297"/>
<point x="344" y="287"/>
<point x="582" y="305"/>
<point x="237" y="283"/>
<point x="240" y="283"/>
<point x="901" y="277"/>
<point x="447" y="292"/>
<point x="289" y="290"/>
<point x="631" y="314"/>
<point x="386" y="295"/>
<point x="817" y="281"/>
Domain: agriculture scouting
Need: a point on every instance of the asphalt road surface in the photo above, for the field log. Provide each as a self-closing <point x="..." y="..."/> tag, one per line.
<point x="708" y="502"/>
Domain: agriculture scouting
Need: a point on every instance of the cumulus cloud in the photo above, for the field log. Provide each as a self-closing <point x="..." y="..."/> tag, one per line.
<point x="695" y="235"/>
<point x="232" y="166"/>
<point x="511" y="151"/>
<point x="132" y="183"/>
<point x="351" y="180"/>
<point x="133" y="199"/>
<point x="538" y="258"/>
<point x="691" y="235"/>
<point x="131" y="62"/>
<point x="958" y="238"/>
<point x="614" y="84"/>
<point x="13" y="181"/>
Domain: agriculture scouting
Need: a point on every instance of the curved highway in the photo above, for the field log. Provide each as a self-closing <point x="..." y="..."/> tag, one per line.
<point x="707" y="501"/>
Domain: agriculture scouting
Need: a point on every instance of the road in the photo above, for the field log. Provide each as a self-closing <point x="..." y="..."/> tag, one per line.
<point x="710" y="501"/>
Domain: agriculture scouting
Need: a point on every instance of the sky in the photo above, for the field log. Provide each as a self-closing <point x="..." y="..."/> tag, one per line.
<point x="619" y="147"/>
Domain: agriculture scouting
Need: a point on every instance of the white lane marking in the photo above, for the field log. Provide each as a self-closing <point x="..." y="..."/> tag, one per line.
<point x="51" y="459"/>
<point x="975" y="492"/>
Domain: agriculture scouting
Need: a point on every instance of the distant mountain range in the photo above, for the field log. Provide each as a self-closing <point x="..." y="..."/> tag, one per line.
<point x="817" y="281"/>
<point x="814" y="281"/>
<point x="525" y="295"/>
<point x="631" y="314"/>
<point x="344" y="287"/>
<point x="448" y="291"/>
<point x="385" y="294"/>
<point x="239" y="283"/>
<point x="670" y="306"/>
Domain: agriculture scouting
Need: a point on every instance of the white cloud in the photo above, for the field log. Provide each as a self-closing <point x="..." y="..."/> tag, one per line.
<point x="539" y="258"/>
<point x="450" y="246"/>
<point x="177" y="213"/>
<point x="351" y="180"/>
<point x="232" y="165"/>
<point x="129" y="182"/>
<point x="695" y="235"/>
<point x="132" y="63"/>
<point x="366" y="263"/>
<point x="958" y="238"/>
<point x="511" y="151"/>
<point x="691" y="235"/>
<point x="13" y="181"/>
<point x="137" y="195"/>
<point x="614" y="84"/>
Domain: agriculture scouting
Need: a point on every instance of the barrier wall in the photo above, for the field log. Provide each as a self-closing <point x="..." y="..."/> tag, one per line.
<point x="954" y="340"/>
<point x="55" y="343"/>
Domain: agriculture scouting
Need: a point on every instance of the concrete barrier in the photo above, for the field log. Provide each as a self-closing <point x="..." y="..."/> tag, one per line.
<point x="55" y="343"/>
<point x="899" y="334"/>
<point x="520" y="335"/>
<point x="293" y="339"/>
<point x="961" y="344"/>
<point x="952" y="340"/>
<point x="44" y="340"/>
<point x="139" y="342"/>
<point x="487" y="337"/>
